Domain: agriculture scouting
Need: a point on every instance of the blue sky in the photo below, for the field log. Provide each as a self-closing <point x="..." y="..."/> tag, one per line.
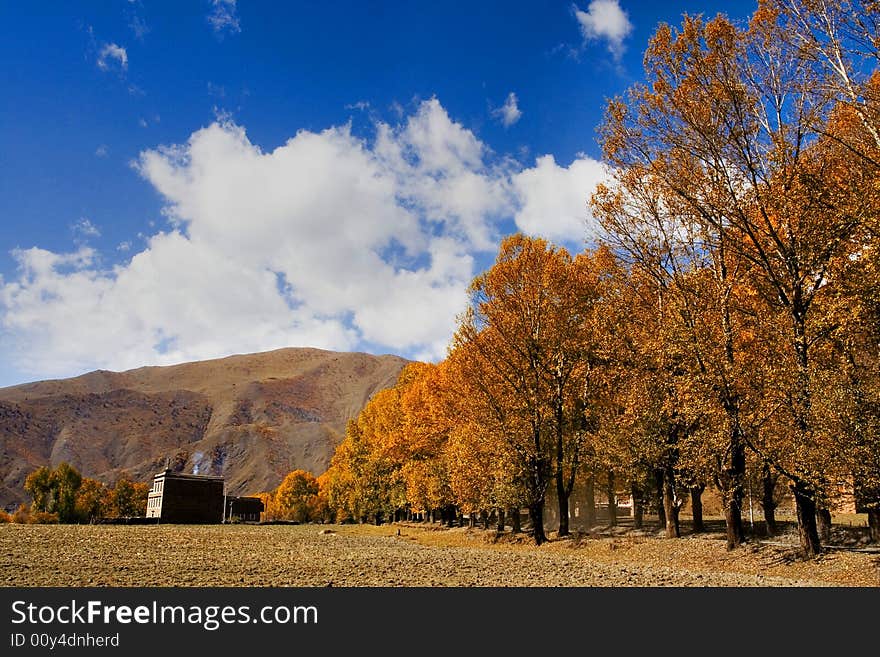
<point x="186" y="180"/>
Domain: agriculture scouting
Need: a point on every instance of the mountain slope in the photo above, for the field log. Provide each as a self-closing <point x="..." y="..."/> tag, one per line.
<point x="252" y="418"/>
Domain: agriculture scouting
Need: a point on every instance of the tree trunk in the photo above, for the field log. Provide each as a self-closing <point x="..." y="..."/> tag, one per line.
<point x="485" y="516"/>
<point x="590" y="510"/>
<point x="823" y="518"/>
<point x="451" y="513"/>
<point x="515" y="526"/>
<point x="669" y="506"/>
<point x="734" y="494"/>
<point x="637" y="510"/>
<point x="733" y="523"/>
<point x="500" y="520"/>
<point x="803" y="496"/>
<point x="561" y="491"/>
<point x="806" y="515"/>
<point x="661" y="507"/>
<point x="536" y="514"/>
<point x="768" y="501"/>
<point x="697" y="508"/>
<point x="562" y="496"/>
<point x="472" y="520"/>
<point x="874" y="525"/>
<point x="612" y="500"/>
<point x="378" y="518"/>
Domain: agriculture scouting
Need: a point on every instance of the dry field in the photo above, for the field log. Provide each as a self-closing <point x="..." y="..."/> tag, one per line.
<point x="351" y="555"/>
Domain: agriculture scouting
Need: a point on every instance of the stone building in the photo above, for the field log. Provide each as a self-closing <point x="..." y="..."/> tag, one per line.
<point x="185" y="498"/>
<point x="192" y="499"/>
<point x="244" y="509"/>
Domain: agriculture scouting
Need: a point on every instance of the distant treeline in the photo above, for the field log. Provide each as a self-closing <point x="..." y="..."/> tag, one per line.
<point x="63" y="495"/>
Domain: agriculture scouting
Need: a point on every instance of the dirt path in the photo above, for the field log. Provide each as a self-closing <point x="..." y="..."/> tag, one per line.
<point x="283" y="555"/>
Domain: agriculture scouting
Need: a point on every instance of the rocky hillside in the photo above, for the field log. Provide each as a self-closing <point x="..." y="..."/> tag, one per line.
<point x="251" y="418"/>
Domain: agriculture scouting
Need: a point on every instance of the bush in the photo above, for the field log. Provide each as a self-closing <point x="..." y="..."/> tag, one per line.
<point x="21" y="515"/>
<point x="5" y="517"/>
<point x="43" y="518"/>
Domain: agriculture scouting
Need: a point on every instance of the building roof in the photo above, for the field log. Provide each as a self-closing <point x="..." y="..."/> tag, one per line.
<point x="168" y="474"/>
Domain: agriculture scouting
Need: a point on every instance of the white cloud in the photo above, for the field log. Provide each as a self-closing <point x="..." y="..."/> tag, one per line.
<point x="138" y="26"/>
<point x="85" y="228"/>
<point x="111" y="57"/>
<point x="329" y="240"/>
<point x="224" y="17"/>
<point x="553" y="200"/>
<point x="605" y="20"/>
<point x="509" y="113"/>
<point x="102" y="151"/>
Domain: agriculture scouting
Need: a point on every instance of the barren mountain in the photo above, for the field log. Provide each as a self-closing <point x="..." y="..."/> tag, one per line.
<point x="251" y="418"/>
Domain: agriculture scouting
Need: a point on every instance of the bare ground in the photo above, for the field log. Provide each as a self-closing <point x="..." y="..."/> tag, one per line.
<point x="362" y="555"/>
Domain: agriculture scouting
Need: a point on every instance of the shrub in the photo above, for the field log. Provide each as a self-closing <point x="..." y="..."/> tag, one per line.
<point x="21" y="515"/>
<point x="43" y="518"/>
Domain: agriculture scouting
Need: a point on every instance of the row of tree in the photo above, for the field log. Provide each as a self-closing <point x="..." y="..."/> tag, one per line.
<point x="62" y="494"/>
<point x="726" y="324"/>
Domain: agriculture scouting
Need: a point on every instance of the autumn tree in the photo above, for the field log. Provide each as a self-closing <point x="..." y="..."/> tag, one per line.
<point x="92" y="500"/>
<point x="364" y="479"/>
<point x="850" y="407"/>
<point x="729" y="143"/>
<point x="67" y="481"/>
<point x="40" y="486"/>
<point x="322" y="509"/>
<point x="297" y="495"/>
<point x="427" y="414"/>
<point x="270" y="510"/>
<point x="840" y="39"/>
<point x="522" y="339"/>
<point x="129" y="499"/>
<point x="482" y="465"/>
<point x="55" y="490"/>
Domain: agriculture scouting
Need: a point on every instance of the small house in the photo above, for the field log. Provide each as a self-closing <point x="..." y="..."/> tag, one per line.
<point x="244" y="509"/>
<point x="185" y="498"/>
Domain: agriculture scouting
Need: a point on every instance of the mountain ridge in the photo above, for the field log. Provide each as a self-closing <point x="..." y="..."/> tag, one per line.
<point x="250" y="417"/>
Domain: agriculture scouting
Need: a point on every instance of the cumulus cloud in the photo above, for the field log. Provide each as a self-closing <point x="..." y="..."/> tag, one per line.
<point x="509" y="113"/>
<point x="223" y="17"/>
<point x="605" y="20"/>
<point x="553" y="200"/>
<point x="112" y="57"/>
<point x="329" y="240"/>
<point x="102" y="151"/>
